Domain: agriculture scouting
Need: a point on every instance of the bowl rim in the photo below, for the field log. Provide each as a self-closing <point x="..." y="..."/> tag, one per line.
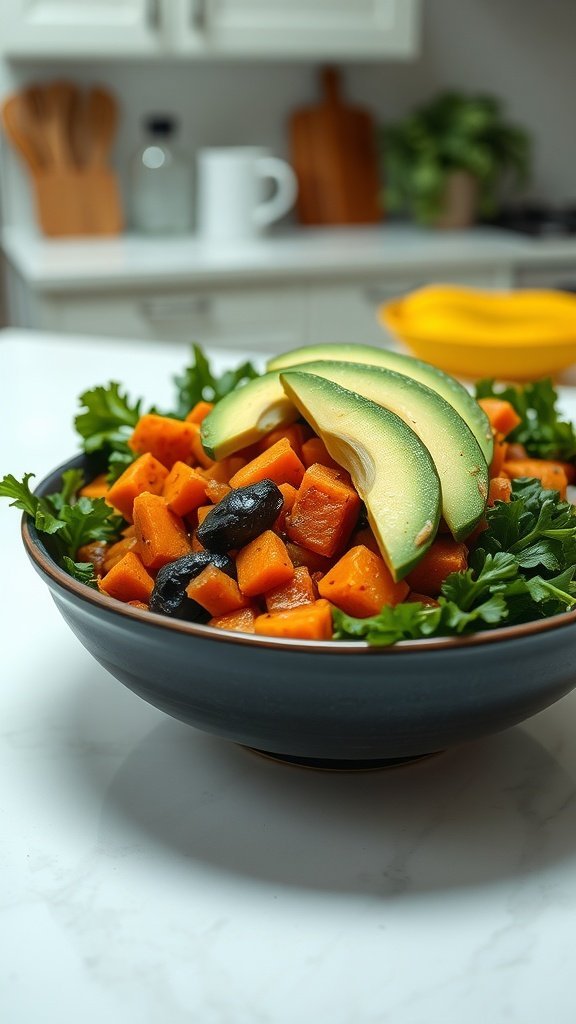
<point x="46" y="565"/>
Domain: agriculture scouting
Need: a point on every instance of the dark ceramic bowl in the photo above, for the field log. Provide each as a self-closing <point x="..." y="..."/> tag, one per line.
<point x="327" y="704"/>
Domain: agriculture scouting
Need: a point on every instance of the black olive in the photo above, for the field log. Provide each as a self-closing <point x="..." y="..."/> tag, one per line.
<point x="169" y="595"/>
<point x="241" y="516"/>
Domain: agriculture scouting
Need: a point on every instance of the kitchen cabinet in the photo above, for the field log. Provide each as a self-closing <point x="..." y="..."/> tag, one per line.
<point x="258" y="319"/>
<point x="292" y="288"/>
<point x="255" y="317"/>
<point x="562" y="275"/>
<point x="319" y="29"/>
<point x="348" y="311"/>
<point x="297" y="28"/>
<point x="73" y="28"/>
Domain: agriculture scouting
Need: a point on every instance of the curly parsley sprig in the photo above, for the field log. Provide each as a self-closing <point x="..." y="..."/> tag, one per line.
<point x="69" y="521"/>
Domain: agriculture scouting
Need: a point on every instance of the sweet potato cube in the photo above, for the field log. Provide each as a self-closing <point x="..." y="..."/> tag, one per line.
<point x="199" y="411"/>
<point x="502" y="415"/>
<point x="361" y="583"/>
<point x="367" y="538"/>
<point x="308" y="622"/>
<point x="294" y="434"/>
<point x="314" y="450"/>
<point x="97" y="488"/>
<point x="95" y="552"/>
<point x="325" y="511"/>
<point x="278" y="463"/>
<point x="500" y="490"/>
<point x="160" y="533"/>
<point x="145" y="474"/>
<point x="117" y="551"/>
<point x="289" y="497"/>
<point x="184" y="489"/>
<point x="262" y="564"/>
<point x="217" y="592"/>
<point x="443" y="557"/>
<point x="499" y="456"/>
<point x="169" y="440"/>
<point x="223" y="470"/>
<point x="551" y="475"/>
<point x="241" y="621"/>
<point x="312" y="561"/>
<point x="298" y="591"/>
<point x="128" y="580"/>
<point x="216" y="491"/>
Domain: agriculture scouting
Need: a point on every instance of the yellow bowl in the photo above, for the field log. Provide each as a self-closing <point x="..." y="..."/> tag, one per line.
<point x="482" y="355"/>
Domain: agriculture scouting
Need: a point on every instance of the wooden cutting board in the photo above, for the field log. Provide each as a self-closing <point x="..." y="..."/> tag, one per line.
<point x="334" y="154"/>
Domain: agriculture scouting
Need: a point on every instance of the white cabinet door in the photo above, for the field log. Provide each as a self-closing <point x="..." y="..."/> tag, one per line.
<point x="72" y="28"/>
<point x="323" y="29"/>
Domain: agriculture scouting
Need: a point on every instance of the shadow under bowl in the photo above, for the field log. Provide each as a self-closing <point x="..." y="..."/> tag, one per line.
<point x="327" y="704"/>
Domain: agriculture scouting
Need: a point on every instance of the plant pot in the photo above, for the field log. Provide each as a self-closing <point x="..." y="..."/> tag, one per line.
<point x="460" y="201"/>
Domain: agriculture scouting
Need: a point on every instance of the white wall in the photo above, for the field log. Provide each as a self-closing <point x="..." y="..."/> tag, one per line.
<point x="522" y="50"/>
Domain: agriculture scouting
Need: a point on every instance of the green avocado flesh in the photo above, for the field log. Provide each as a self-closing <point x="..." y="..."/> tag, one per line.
<point x="455" y="452"/>
<point x="246" y="415"/>
<point x="391" y="469"/>
<point x="447" y="386"/>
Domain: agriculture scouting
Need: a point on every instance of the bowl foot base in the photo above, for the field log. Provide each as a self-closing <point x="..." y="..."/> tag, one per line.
<point x="329" y="764"/>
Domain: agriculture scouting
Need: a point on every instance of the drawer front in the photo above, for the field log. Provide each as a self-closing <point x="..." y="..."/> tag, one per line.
<point x="259" y="320"/>
<point x="561" y="276"/>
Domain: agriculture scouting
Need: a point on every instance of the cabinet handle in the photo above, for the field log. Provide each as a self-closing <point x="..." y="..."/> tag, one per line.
<point x="198" y="15"/>
<point x="153" y="16"/>
<point x="165" y="309"/>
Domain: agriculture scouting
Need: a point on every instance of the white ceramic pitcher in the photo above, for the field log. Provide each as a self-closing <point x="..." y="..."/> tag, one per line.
<point x="230" y="188"/>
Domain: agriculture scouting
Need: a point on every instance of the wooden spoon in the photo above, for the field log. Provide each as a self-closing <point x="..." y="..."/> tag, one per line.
<point x="18" y="131"/>
<point x="101" y="120"/>
<point x="57" y="104"/>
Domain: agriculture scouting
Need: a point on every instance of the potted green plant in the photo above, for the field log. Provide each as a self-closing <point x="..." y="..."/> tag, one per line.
<point x="446" y="161"/>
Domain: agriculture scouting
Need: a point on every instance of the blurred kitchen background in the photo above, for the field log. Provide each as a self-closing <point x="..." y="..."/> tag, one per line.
<point x="141" y="231"/>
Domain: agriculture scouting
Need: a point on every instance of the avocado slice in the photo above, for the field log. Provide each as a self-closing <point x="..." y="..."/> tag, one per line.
<point x="245" y="415"/>
<point x="425" y="373"/>
<point x="455" y="452"/>
<point x="391" y="469"/>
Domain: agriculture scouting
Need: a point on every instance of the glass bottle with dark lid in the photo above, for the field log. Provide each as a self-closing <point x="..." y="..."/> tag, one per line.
<point x="160" y="190"/>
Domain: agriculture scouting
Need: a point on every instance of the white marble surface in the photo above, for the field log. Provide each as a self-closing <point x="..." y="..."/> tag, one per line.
<point x="149" y="872"/>
<point x="52" y="265"/>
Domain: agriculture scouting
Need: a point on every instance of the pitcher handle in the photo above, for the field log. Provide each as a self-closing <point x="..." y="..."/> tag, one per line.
<point x="286" y="190"/>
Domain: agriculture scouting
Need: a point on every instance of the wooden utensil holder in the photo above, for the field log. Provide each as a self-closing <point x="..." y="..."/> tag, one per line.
<point x="77" y="202"/>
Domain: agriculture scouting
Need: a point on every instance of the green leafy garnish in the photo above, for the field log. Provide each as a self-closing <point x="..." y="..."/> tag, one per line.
<point x="524" y="570"/>
<point x="108" y="416"/>
<point x="70" y="522"/>
<point x="108" y="419"/>
<point x="197" y="381"/>
<point x="544" y="434"/>
<point x="106" y="423"/>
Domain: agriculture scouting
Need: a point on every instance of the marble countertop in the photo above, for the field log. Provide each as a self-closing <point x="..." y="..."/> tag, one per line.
<point x="149" y="872"/>
<point x="54" y="265"/>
